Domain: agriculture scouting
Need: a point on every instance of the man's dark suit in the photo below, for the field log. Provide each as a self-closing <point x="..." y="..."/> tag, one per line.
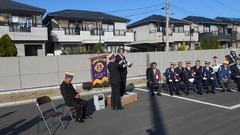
<point x="236" y="72"/>
<point x="198" y="77"/>
<point x="68" y="92"/>
<point x="123" y="73"/>
<point x="153" y="79"/>
<point x="115" y="81"/>
<point x="172" y="80"/>
<point x="209" y="78"/>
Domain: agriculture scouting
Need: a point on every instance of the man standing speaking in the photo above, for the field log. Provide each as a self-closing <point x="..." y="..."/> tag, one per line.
<point x="122" y="70"/>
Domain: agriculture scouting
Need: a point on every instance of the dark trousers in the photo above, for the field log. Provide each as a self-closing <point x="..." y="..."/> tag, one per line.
<point x="152" y="86"/>
<point x="197" y="82"/>
<point x="115" y="96"/>
<point x="123" y="84"/>
<point x="78" y="107"/>
<point x="211" y="82"/>
<point x="84" y="104"/>
<point x="238" y="83"/>
<point x="173" y="86"/>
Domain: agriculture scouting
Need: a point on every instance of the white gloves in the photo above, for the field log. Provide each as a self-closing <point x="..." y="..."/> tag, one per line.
<point x="191" y="80"/>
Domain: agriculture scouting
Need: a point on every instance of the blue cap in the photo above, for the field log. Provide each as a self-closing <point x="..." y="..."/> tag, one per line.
<point x="69" y="75"/>
<point x="111" y="56"/>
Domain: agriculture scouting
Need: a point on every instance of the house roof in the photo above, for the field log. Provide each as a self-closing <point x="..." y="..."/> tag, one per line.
<point x="157" y="19"/>
<point x="84" y="15"/>
<point x="204" y="20"/>
<point x="230" y="20"/>
<point x="12" y="7"/>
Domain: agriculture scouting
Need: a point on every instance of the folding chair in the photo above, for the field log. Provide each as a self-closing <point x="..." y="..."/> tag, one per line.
<point x="70" y="110"/>
<point x="48" y="114"/>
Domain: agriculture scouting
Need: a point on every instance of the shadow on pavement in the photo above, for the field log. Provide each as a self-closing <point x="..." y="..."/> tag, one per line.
<point x="9" y="113"/>
<point x="158" y="128"/>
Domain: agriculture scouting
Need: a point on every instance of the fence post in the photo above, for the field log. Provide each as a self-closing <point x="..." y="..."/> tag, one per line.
<point x="20" y="76"/>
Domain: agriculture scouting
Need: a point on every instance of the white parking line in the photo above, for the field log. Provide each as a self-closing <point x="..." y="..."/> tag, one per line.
<point x="197" y="101"/>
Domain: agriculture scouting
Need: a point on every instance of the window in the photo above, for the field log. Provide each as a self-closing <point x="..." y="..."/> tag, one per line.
<point x="206" y="28"/>
<point x="178" y="29"/>
<point x="3" y="19"/>
<point x="107" y="27"/>
<point x="21" y="24"/>
<point x="32" y="50"/>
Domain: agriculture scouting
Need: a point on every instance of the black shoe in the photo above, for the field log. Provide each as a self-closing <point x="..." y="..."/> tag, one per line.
<point x="80" y="120"/>
<point x="87" y="117"/>
<point x="200" y="93"/>
<point x="187" y="93"/>
<point x="119" y="108"/>
<point x="177" y="93"/>
<point x="213" y="91"/>
<point x="171" y="94"/>
<point x="229" y="90"/>
<point x="159" y="94"/>
<point x="113" y="108"/>
<point x="206" y="91"/>
<point x="222" y="90"/>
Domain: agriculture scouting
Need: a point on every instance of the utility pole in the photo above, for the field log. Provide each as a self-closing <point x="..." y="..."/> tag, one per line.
<point x="167" y="25"/>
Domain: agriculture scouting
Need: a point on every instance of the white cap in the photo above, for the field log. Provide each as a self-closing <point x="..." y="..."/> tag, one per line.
<point x="233" y="50"/>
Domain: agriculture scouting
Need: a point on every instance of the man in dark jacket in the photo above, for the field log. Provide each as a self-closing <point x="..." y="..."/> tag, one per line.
<point x="154" y="79"/>
<point x="172" y="79"/>
<point x="224" y="76"/>
<point x="235" y="69"/>
<point x="122" y="70"/>
<point x="197" y="69"/>
<point x="72" y="98"/>
<point x="208" y="77"/>
<point x="232" y="57"/>
<point x="115" y="81"/>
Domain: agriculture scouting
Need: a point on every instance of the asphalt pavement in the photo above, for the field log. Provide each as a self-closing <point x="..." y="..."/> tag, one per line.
<point x="207" y="114"/>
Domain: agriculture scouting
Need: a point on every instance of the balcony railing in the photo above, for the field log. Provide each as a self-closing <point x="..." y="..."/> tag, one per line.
<point x="21" y="29"/>
<point x="119" y="32"/>
<point x="71" y="31"/>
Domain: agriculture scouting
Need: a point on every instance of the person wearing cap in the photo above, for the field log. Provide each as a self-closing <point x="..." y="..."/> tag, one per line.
<point x="208" y="77"/>
<point x="232" y="57"/>
<point x="115" y="81"/>
<point x="235" y="69"/>
<point x="72" y="98"/>
<point x="188" y="76"/>
<point x="224" y="76"/>
<point x="197" y="69"/>
<point x="172" y="79"/>
<point x="154" y="79"/>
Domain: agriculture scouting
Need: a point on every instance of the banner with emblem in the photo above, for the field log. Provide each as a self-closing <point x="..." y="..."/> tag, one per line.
<point x="99" y="69"/>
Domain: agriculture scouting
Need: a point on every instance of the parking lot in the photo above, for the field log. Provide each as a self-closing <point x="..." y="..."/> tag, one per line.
<point x="207" y="114"/>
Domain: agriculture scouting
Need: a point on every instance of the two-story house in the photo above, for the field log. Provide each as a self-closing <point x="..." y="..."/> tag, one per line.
<point x="80" y="30"/>
<point x="213" y="27"/>
<point x="150" y="35"/>
<point x="235" y="27"/>
<point x="23" y="23"/>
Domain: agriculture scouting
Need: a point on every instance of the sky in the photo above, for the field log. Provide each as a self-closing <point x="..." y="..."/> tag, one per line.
<point x="139" y="9"/>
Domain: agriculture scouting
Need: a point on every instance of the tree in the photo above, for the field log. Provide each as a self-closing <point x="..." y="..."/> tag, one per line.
<point x="7" y="47"/>
<point x="209" y="42"/>
<point x="183" y="47"/>
<point x="98" y="48"/>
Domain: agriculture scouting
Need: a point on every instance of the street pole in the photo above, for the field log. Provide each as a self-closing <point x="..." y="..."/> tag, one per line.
<point x="167" y="25"/>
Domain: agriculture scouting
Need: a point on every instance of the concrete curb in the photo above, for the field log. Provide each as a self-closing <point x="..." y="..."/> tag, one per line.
<point x="7" y="104"/>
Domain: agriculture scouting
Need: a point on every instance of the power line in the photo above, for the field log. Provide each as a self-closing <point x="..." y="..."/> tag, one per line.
<point x="143" y="13"/>
<point x="135" y="8"/>
<point x="185" y="10"/>
<point x="227" y="6"/>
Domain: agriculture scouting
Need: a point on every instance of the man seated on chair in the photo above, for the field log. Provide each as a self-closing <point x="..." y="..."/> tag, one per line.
<point x="72" y="98"/>
<point x="154" y="79"/>
<point x="208" y="77"/>
<point x="188" y="76"/>
<point x="172" y="79"/>
<point x="197" y="72"/>
<point x="224" y="76"/>
<point x="179" y="70"/>
<point x="235" y="69"/>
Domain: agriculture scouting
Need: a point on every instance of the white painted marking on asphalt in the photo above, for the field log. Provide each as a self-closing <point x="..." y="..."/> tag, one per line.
<point x="197" y="101"/>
